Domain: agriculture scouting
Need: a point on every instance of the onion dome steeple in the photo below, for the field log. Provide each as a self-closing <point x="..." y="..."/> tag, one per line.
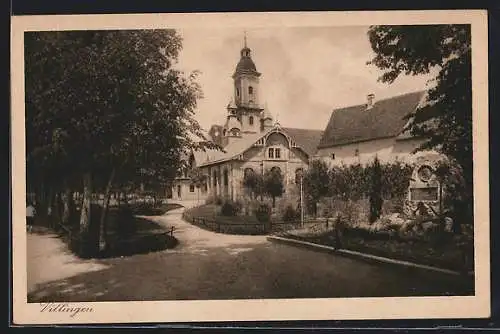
<point x="246" y="64"/>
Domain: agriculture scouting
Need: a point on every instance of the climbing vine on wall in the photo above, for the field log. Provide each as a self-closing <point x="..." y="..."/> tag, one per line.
<point x="352" y="182"/>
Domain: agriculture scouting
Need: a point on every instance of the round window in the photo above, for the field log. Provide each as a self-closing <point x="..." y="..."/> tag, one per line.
<point x="424" y="173"/>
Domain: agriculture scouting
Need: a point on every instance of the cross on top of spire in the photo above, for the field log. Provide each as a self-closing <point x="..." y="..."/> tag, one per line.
<point x="245" y="38"/>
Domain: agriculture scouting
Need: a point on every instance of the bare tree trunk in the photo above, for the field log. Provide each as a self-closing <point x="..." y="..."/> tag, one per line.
<point x="50" y="208"/>
<point x="66" y="199"/>
<point x="87" y="245"/>
<point x="103" y="244"/>
<point x="41" y="204"/>
<point x="56" y="209"/>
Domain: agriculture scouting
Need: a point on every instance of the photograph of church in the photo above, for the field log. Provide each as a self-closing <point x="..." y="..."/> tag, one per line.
<point x="215" y="163"/>
<point x="252" y="141"/>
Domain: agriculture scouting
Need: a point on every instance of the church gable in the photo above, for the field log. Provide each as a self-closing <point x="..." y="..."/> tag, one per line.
<point x="276" y="138"/>
<point x="249" y="127"/>
<point x="273" y="146"/>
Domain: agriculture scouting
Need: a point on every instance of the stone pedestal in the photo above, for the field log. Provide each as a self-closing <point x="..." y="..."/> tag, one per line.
<point x="424" y="192"/>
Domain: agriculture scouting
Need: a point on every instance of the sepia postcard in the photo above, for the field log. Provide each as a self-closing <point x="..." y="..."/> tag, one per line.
<point x="250" y="167"/>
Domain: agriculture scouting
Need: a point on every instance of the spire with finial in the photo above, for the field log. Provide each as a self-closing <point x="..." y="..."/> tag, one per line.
<point x="246" y="64"/>
<point x="245" y="52"/>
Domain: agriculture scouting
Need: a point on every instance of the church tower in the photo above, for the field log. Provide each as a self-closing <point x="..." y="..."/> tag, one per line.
<point x="246" y="80"/>
<point x="245" y="114"/>
<point x="246" y="91"/>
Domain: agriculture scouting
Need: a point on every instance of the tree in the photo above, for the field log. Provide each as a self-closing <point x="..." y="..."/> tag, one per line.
<point x="375" y="195"/>
<point x="198" y="178"/>
<point x="445" y="119"/>
<point x="348" y="182"/>
<point x="316" y="182"/>
<point x="451" y="192"/>
<point x="252" y="181"/>
<point x="123" y="115"/>
<point x="273" y="183"/>
<point x="396" y="179"/>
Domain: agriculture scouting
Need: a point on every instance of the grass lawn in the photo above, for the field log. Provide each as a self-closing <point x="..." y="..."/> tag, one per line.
<point x="444" y="254"/>
<point x="134" y="235"/>
<point x="212" y="212"/>
<point x="208" y="217"/>
<point x="126" y="233"/>
<point x="145" y="209"/>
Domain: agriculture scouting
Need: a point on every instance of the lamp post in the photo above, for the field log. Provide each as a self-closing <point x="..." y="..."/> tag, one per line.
<point x="301" y="198"/>
<point x="261" y="183"/>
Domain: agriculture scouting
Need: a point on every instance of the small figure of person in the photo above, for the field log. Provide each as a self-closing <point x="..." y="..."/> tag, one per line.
<point x="339" y="232"/>
<point x="30" y="216"/>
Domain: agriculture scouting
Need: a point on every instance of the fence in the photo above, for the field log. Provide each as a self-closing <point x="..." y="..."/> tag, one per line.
<point x="248" y="228"/>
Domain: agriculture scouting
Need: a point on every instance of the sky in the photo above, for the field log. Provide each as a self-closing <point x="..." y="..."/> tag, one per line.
<point x="307" y="72"/>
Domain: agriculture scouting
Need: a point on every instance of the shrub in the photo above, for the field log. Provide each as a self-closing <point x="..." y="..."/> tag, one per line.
<point x="352" y="212"/>
<point x="230" y="208"/>
<point x="316" y="183"/>
<point x="210" y="200"/>
<point x="290" y="214"/>
<point x="263" y="213"/>
<point x="144" y="208"/>
<point x="218" y="200"/>
<point x="375" y="196"/>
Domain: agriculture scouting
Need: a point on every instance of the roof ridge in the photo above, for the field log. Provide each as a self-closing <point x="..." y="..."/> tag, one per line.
<point x="305" y="129"/>
<point x="386" y="119"/>
<point x="385" y="99"/>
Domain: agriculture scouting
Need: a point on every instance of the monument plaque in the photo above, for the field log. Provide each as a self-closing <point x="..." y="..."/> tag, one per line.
<point x="424" y="194"/>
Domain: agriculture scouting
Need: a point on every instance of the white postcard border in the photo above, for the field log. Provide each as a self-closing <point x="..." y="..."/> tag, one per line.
<point x="258" y="309"/>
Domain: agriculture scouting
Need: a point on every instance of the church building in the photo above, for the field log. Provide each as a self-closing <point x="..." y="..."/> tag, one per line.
<point x="252" y="142"/>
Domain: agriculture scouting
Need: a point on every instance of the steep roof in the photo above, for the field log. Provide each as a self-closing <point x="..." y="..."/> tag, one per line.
<point x="385" y="119"/>
<point x="246" y="65"/>
<point x="307" y="139"/>
<point x="231" y="150"/>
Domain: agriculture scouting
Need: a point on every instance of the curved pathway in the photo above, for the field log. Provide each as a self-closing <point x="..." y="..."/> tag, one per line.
<point x="208" y="265"/>
<point x="193" y="239"/>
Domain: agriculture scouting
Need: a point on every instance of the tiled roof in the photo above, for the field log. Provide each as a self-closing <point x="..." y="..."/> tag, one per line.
<point x="307" y="139"/>
<point x="385" y="119"/>
<point x="231" y="150"/>
<point x="245" y="65"/>
<point x="304" y="138"/>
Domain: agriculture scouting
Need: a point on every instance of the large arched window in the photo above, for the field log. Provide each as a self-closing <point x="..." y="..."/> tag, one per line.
<point x="250" y="90"/>
<point x="248" y="171"/>
<point x="226" y="178"/>
<point x="298" y="175"/>
<point x="250" y="120"/>
<point x="234" y="132"/>
<point x="276" y="169"/>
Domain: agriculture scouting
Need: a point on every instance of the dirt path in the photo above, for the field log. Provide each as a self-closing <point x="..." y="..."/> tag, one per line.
<point x="48" y="259"/>
<point x="208" y="265"/>
<point x="193" y="239"/>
